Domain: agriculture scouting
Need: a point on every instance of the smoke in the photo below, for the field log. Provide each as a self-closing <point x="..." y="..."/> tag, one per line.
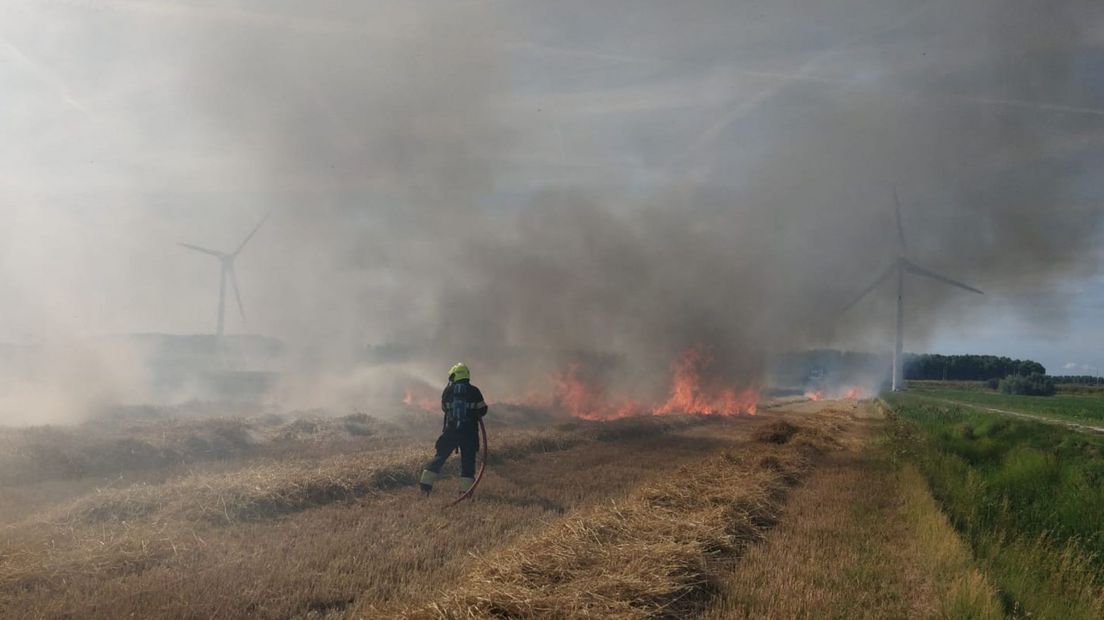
<point x="530" y="186"/>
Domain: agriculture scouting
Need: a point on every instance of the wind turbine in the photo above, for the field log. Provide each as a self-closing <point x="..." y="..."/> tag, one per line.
<point x="227" y="271"/>
<point x="899" y="267"/>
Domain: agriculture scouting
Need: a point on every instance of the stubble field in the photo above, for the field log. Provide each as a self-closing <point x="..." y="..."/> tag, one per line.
<point x="677" y="516"/>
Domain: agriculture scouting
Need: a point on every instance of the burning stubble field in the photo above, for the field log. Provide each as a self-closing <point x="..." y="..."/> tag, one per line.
<point x="800" y="510"/>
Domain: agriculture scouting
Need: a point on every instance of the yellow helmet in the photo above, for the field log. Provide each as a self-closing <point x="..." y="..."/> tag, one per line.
<point x="459" y="372"/>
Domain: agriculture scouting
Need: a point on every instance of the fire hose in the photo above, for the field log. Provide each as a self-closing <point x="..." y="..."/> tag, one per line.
<point x="482" y="468"/>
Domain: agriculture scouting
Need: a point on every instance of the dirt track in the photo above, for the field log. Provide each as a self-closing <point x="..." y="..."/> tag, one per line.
<point x="1077" y="426"/>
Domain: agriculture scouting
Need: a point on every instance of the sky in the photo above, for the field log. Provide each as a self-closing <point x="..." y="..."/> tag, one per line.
<point x="369" y="129"/>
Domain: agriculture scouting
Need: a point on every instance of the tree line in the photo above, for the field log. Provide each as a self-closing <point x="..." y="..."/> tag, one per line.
<point x="934" y="367"/>
<point x="1078" y="380"/>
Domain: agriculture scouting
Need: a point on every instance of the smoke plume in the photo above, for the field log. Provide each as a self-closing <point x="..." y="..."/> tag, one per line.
<point x="529" y="187"/>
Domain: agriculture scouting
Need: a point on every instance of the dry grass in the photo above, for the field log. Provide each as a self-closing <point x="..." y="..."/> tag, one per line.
<point x="106" y="447"/>
<point x="269" y="488"/>
<point x="132" y="468"/>
<point x="780" y="432"/>
<point x="269" y="539"/>
<point x="655" y="517"/>
<point x="126" y="530"/>
<point x="859" y="539"/>
<point x="959" y="589"/>
<point x="666" y="517"/>
<point x="653" y="554"/>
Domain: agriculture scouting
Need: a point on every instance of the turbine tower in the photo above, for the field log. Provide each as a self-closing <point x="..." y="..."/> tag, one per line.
<point x="226" y="270"/>
<point x="899" y="267"/>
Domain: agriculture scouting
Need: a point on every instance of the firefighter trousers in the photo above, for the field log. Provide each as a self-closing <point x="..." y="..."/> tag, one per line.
<point x="465" y="437"/>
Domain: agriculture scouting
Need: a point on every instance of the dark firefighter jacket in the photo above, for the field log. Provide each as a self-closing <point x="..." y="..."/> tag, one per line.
<point x="462" y="402"/>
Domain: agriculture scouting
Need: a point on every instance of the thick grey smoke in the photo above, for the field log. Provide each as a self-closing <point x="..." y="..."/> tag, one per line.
<point x="747" y="235"/>
<point x="535" y="184"/>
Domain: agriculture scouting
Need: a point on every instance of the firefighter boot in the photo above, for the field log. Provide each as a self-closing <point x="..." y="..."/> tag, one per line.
<point x="466" y="484"/>
<point x="427" y="480"/>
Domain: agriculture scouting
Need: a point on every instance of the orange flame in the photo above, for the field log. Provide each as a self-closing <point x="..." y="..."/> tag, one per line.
<point x="588" y="399"/>
<point x="688" y="395"/>
<point x="846" y="393"/>
<point x="421" y="401"/>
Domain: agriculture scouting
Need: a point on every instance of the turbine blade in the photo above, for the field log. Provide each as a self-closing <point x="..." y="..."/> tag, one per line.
<point x="902" y="247"/>
<point x="250" y="236"/>
<point x="920" y="271"/>
<point x="204" y="250"/>
<point x="237" y="292"/>
<point x="882" y="277"/>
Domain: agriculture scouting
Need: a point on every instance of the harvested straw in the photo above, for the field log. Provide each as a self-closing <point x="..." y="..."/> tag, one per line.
<point x="272" y="488"/>
<point x="653" y="555"/>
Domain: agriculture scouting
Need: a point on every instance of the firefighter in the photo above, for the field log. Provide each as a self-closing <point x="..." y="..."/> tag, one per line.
<point x="463" y="406"/>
